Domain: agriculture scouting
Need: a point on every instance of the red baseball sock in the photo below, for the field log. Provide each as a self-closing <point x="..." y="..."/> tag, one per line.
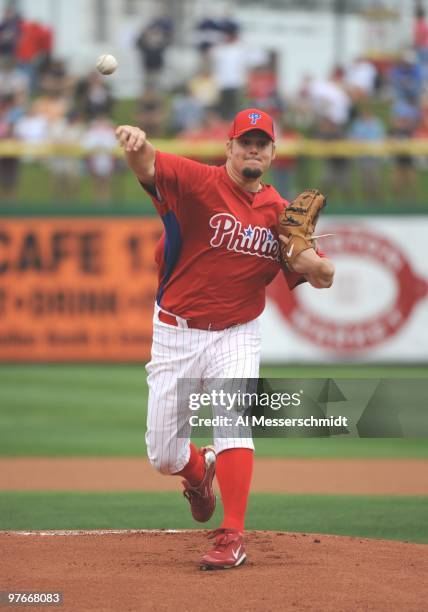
<point x="194" y="470"/>
<point x="234" y="468"/>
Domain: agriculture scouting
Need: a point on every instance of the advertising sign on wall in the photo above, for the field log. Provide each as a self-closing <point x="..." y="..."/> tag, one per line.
<point x="77" y="288"/>
<point x="377" y="309"/>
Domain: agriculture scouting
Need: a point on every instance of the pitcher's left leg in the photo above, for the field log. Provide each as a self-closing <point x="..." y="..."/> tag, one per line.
<point x="237" y="358"/>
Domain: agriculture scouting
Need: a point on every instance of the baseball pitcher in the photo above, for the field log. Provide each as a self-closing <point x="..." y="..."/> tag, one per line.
<point x="226" y="236"/>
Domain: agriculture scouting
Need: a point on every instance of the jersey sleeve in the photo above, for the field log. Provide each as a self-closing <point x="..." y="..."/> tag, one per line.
<point x="176" y="178"/>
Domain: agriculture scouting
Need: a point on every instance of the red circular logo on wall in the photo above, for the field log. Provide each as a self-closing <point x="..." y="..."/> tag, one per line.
<point x="354" y="336"/>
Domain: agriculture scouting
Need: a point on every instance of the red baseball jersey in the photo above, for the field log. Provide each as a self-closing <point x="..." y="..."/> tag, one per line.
<point x="220" y="247"/>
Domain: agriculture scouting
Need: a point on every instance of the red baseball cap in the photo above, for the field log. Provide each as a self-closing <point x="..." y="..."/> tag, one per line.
<point x="252" y="119"/>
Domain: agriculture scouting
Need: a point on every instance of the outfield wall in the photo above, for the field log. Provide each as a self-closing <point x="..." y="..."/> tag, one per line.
<point x="82" y="289"/>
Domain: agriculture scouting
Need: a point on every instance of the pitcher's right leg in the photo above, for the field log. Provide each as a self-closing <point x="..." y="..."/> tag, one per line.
<point x="176" y="356"/>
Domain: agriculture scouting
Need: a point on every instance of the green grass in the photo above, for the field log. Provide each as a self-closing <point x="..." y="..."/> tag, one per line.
<point x="397" y="518"/>
<point x="93" y="410"/>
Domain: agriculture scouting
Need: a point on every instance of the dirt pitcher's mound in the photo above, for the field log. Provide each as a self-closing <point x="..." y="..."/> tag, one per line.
<point x="159" y="571"/>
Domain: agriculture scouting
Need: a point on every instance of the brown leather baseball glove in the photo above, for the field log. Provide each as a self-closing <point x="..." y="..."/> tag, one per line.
<point x="297" y="222"/>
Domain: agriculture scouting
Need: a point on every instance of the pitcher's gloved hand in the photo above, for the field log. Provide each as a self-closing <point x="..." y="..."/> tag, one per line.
<point x="297" y="224"/>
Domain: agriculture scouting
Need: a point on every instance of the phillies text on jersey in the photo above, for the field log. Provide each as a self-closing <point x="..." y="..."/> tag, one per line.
<point x="253" y="240"/>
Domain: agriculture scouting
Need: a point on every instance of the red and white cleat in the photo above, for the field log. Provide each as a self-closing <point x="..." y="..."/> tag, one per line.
<point x="228" y="551"/>
<point x="202" y="498"/>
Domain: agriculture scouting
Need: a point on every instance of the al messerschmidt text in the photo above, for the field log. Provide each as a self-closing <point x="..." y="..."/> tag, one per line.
<point x="262" y="421"/>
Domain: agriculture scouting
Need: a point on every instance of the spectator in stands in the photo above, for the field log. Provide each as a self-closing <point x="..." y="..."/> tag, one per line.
<point x="152" y="43"/>
<point x="10" y="29"/>
<point x="420" y="39"/>
<point x="406" y="78"/>
<point x="209" y="32"/>
<point x="360" y="79"/>
<point x="66" y="169"/>
<point x="366" y="127"/>
<point x="230" y="67"/>
<point x="51" y="105"/>
<point x="10" y="112"/>
<point x="162" y="20"/>
<point x="263" y="87"/>
<point x="32" y="128"/>
<point x="55" y="79"/>
<point x="151" y="114"/>
<point x="203" y="88"/>
<point x="336" y="180"/>
<point x="284" y="168"/>
<point x="100" y="144"/>
<point x="186" y="111"/>
<point x="93" y="96"/>
<point x="301" y="106"/>
<point x="404" y="178"/>
<point x="331" y="106"/>
<point x="12" y="81"/>
<point x="33" y="49"/>
<point x="421" y="129"/>
<point x="330" y="100"/>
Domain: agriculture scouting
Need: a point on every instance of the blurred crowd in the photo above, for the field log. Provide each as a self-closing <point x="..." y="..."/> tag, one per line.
<point x="41" y="102"/>
<point x="365" y="101"/>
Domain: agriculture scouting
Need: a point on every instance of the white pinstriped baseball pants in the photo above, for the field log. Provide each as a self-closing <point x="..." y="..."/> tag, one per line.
<point x="182" y="353"/>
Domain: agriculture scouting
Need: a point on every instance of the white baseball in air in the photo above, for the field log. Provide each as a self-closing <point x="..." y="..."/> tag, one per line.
<point x="106" y="63"/>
